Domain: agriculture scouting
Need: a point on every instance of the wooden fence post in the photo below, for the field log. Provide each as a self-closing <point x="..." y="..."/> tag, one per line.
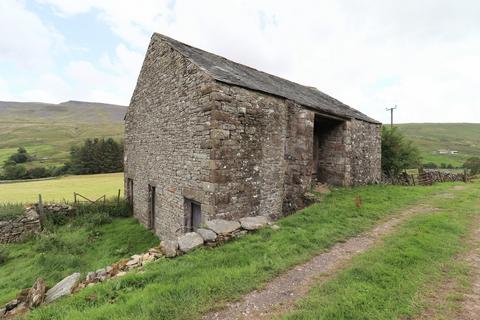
<point x="40" y="211"/>
<point x="75" y="198"/>
<point x="118" y="197"/>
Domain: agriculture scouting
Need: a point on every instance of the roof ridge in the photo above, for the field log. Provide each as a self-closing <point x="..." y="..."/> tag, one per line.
<point x="234" y="73"/>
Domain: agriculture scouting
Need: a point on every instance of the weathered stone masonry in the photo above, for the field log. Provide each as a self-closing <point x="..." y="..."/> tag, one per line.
<point x="193" y="141"/>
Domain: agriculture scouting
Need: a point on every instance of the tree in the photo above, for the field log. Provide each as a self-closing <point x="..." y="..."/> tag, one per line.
<point x="96" y="156"/>
<point x="21" y="156"/>
<point x="472" y="164"/>
<point x="398" y="153"/>
<point x="13" y="171"/>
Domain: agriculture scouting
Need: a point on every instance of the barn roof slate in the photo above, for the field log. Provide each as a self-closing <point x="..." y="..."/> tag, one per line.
<point x="227" y="71"/>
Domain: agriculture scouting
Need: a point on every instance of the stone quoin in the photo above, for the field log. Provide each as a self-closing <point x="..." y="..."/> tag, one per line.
<point x="207" y="138"/>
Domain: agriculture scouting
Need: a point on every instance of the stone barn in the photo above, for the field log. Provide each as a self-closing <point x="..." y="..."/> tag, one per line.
<point x="208" y="138"/>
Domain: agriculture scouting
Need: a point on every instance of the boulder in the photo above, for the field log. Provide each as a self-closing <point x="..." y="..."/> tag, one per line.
<point x="63" y="288"/>
<point x="189" y="241"/>
<point x="169" y="248"/>
<point x="222" y="227"/>
<point x="36" y="295"/>
<point x="275" y="227"/>
<point x="253" y="223"/>
<point x="207" y="235"/>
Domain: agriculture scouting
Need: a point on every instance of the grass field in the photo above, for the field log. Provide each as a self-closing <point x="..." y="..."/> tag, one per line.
<point x="49" y="130"/>
<point x="91" y="186"/>
<point x="431" y="137"/>
<point x="185" y="287"/>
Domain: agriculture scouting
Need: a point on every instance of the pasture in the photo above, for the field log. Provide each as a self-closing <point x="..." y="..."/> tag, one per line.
<point x="62" y="189"/>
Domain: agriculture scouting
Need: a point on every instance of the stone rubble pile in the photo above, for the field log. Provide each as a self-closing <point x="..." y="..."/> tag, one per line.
<point x="215" y="233"/>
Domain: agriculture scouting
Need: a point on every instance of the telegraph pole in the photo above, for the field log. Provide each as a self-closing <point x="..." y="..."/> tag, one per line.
<point x="391" y="115"/>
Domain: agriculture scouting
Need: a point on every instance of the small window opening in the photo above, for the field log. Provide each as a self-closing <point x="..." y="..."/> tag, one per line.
<point x="193" y="215"/>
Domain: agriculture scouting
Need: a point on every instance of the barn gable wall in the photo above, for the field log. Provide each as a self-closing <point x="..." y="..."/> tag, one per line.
<point x="166" y="136"/>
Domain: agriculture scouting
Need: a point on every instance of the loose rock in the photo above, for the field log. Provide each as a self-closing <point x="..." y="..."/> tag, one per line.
<point x="189" y="241"/>
<point x="253" y="223"/>
<point x="63" y="288"/>
<point x="169" y="248"/>
<point x="36" y="295"/>
<point x="207" y="235"/>
<point x="222" y="227"/>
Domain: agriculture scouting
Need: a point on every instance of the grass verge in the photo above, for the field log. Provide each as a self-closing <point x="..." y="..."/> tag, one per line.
<point x="391" y="280"/>
<point x="85" y="243"/>
<point x="187" y="286"/>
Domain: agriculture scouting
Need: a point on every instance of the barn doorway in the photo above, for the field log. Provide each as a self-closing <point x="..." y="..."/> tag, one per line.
<point x="328" y="151"/>
<point x="193" y="215"/>
<point x="151" y="206"/>
<point x="130" y="192"/>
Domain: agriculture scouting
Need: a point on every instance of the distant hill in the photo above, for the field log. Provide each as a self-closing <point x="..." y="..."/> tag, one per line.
<point x="431" y="137"/>
<point x="48" y="130"/>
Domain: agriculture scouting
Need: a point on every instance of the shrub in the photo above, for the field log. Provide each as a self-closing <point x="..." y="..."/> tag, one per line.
<point x="430" y="165"/>
<point x="472" y="164"/>
<point x="37" y="172"/>
<point x="398" y="153"/>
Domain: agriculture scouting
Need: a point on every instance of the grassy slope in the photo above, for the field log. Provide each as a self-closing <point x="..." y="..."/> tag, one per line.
<point x="185" y="287"/>
<point x="386" y="283"/>
<point x="92" y="186"/>
<point x="48" y="130"/>
<point x="430" y="137"/>
<point x="73" y="248"/>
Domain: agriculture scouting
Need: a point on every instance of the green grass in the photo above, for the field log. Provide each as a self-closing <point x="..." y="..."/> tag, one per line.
<point x="91" y="186"/>
<point x="430" y="137"/>
<point x="10" y="210"/>
<point x="387" y="282"/>
<point x="185" y="287"/>
<point x="78" y="246"/>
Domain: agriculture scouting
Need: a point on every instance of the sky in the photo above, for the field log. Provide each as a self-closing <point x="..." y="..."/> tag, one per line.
<point x="421" y="55"/>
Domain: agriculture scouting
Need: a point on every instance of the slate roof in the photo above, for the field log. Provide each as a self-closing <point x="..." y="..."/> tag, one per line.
<point x="227" y="71"/>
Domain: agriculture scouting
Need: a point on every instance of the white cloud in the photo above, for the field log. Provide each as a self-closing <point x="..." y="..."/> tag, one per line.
<point x="422" y="56"/>
<point x="25" y="39"/>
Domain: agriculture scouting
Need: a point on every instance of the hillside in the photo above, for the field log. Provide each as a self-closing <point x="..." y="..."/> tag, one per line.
<point x="431" y="137"/>
<point x="48" y="130"/>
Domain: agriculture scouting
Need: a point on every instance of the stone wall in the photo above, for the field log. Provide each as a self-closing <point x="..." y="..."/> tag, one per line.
<point x="365" y="152"/>
<point x="166" y="139"/>
<point x="18" y="229"/>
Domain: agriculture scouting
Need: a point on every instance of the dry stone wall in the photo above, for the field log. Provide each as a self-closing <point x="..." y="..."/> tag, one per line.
<point x="18" y="229"/>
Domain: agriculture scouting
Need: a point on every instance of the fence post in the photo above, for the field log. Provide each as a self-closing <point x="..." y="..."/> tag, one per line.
<point x="118" y="197"/>
<point x="40" y="211"/>
<point x="75" y="198"/>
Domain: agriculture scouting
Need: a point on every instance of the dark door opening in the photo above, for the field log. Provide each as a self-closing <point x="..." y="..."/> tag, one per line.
<point x="151" y="207"/>
<point x="328" y="151"/>
<point x="193" y="215"/>
<point x="130" y="192"/>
